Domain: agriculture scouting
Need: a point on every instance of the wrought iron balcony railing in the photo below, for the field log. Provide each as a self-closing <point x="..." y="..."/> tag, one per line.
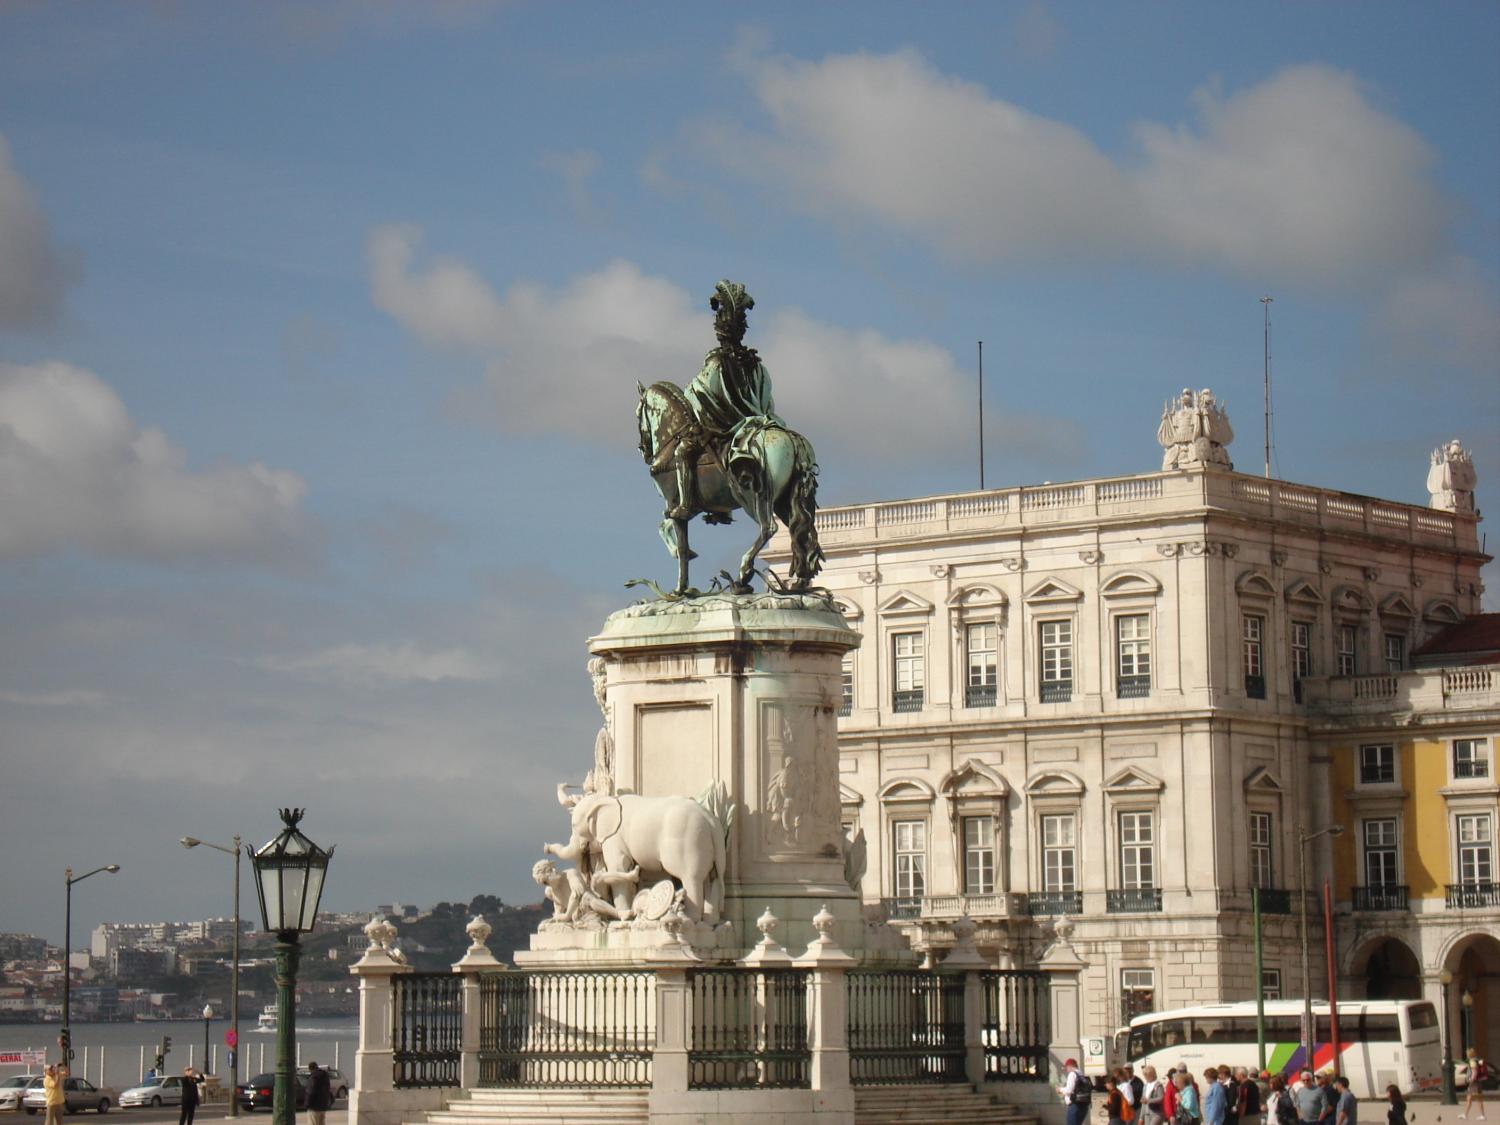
<point x="1255" y="687"/>
<point x="1050" y="903"/>
<point x="1057" y="691"/>
<point x="846" y="707"/>
<point x="1134" y="900"/>
<point x="907" y="700"/>
<point x="1133" y="687"/>
<point x="1389" y="897"/>
<point x="979" y="695"/>
<point x="1469" y="896"/>
<point x="903" y="906"/>
<point x="1274" y="900"/>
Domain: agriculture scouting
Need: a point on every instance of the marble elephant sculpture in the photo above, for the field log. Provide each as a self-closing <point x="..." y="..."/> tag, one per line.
<point x="663" y="836"/>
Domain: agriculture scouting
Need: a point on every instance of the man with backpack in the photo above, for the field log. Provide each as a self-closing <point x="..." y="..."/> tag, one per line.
<point x="1077" y="1093"/>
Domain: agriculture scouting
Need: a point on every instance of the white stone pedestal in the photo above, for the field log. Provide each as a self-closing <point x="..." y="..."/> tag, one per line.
<point x="742" y="691"/>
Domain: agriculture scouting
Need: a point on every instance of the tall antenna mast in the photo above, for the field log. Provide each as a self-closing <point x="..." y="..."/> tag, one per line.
<point x="981" y="415"/>
<point x="1265" y="303"/>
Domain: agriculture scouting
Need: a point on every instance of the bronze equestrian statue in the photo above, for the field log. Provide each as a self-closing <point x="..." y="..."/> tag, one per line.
<point x="718" y="445"/>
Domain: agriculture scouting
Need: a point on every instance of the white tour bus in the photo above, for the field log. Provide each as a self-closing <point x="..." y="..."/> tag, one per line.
<point x="1381" y="1042"/>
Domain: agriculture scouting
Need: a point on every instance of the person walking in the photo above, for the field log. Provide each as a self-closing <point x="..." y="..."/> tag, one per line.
<point x="1153" y="1097"/>
<point x="1188" y="1102"/>
<point x="1281" y="1105"/>
<point x="1215" y="1098"/>
<point x="1348" y="1105"/>
<point x="190" y="1097"/>
<point x="319" y="1093"/>
<point x="1246" y="1093"/>
<point x="53" y="1082"/>
<point x="1479" y="1073"/>
<point x="1395" y="1113"/>
<point x="1114" y="1099"/>
<point x="1310" y="1101"/>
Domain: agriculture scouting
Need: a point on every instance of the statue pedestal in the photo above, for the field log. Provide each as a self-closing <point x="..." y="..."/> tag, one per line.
<point x="741" y="691"/>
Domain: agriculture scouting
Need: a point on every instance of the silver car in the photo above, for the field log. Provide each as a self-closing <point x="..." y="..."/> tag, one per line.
<point x="13" y="1089"/>
<point x="154" y="1092"/>
<point x="80" y="1093"/>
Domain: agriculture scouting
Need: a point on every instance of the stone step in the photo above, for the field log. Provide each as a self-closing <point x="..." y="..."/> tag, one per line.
<point x="598" y="1106"/>
<point x="958" y="1105"/>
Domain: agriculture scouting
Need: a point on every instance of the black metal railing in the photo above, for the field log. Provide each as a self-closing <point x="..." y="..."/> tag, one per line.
<point x="980" y="695"/>
<point x="1255" y="687"/>
<point x="1274" y="900"/>
<point x="1467" y="896"/>
<point x="1133" y="900"/>
<point x="427" y="1029"/>
<point x="749" y="1030"/>
<point x="903" y="906"/>
<point x="1043" y="904"/>
<point x="907" y="700"/>
<point x="905" y="1026"/>
<point x="846" y="707"/>
<point x="1016" y="1025"/>
<point x="1391" y="897"/>
<point x="567" y="1027"/>
<point x="1057" y="691"/>
<point x="1134" y="687"/>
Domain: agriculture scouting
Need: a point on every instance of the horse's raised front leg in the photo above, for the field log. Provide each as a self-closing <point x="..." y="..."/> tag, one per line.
<point x="747" y="561"/>
<point x="683" y="555"/>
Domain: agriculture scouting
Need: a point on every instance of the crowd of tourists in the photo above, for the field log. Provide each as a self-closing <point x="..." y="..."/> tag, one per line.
<point x="1227" y="1097"/>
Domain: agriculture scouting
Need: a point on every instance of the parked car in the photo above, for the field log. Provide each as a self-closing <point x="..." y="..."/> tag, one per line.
<point x="257" y="1093"/>
<point x="80" y="1094"/>
<point x="166" y="1090"/>
<point x="13" y="1089"/>
<point x="336" y="1080"/>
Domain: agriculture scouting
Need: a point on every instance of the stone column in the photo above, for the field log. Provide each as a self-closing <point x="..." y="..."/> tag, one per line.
<point x="966" y="959"/>
<point x="669" y="1057"/>
<point x="477" y="959"/>
<point x="1063" y="967"/>
<point x="833" y="1096"/>
<point x="374" y="1061"/>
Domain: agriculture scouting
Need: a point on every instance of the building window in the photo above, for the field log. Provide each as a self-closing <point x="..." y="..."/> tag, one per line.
<point x="1253" y="653"/>
<point x="1260" y="850"/>
<point x="1380" y="853"/>
<point x="910" y="671"/>
<point x="1137" y="993"/>
<point x="1133" y="655"/>
<point x="1301" y="650"/>
<point x="979" y="855"/>
<point x="1270" y="984"/>
<point x="982" y="651"/>
<point x="1377" y="765"/>
<point x="1470" y="758"/>
<point x="1057" y="661"/>
<point x="1059" y="854"/>
<point x="1395" y="652"/>
<point x="1347" y="665"/>
<point x="910" y="840"/>
<point x="1476" y="856"/>
<point x="1137" y="851"/>
<point x="846" y="683"/>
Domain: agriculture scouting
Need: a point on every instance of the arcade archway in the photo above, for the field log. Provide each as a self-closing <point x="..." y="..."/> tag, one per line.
<point x="1391" y="971"/>
<point x="1474" y="997"/>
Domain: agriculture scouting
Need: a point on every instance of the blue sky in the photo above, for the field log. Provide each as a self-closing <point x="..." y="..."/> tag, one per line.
<point x="319" y="328"/>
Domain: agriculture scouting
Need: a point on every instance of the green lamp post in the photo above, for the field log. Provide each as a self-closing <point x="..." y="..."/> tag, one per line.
<point x="289" y="880"/>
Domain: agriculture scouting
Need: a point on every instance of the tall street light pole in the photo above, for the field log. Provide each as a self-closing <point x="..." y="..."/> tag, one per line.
<point x="234" y="974"/>
<point x="65" y="1040"/>
<point x="1450" y="1095"/>
<point x="1309" y="1035"/>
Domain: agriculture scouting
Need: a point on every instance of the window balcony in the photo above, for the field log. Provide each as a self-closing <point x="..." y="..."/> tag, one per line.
<point x="1046" y="904"/>
<point x="1471" y="896"/>
<point x="1389" y="897"/>
<point x="1057" y="691"/>
<point x="896" y="909"/>
<point x="1255" y="687"/>
<point x="995" y="905"/>
<point x="979" y="695"/>
<point x="846" y="708"/>
<point x="1274" y="900"/>
<point x="1134" y="900"/>
<point x="1134" y="687"/>
<point x="905" y="701"/>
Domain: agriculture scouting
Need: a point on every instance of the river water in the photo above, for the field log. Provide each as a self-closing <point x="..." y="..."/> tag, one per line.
<point x="117" y="1047"/>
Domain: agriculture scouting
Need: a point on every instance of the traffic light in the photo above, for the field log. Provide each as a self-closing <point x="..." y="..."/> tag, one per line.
<point x="65" y="1041"/>
<point x="161" y="1063"/>
<point x="166" y="1044"/>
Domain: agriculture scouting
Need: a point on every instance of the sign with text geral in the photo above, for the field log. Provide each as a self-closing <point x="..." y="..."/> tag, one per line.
<point x="23" y="1058"/>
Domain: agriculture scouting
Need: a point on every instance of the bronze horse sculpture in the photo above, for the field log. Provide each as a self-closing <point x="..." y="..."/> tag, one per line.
<point x="717" y="446"/>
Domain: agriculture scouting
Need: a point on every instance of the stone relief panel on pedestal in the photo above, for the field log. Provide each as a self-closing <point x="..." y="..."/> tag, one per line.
<point x="801" y="804"/>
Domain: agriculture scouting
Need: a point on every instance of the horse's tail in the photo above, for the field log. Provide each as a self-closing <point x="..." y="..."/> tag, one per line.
<point x="801" y="526"/>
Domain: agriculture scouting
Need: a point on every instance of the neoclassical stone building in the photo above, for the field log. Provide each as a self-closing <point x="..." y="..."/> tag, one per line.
<point x="1091" y="699"/>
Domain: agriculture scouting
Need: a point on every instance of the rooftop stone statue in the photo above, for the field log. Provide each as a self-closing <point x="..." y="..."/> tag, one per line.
<point x="718" y="445"/>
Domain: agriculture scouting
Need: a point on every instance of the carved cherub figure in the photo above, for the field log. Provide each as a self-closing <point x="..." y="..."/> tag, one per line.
<point x="571" y="897"/>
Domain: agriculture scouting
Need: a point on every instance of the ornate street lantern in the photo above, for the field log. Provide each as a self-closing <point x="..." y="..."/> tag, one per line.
<point x="289" y="880"/>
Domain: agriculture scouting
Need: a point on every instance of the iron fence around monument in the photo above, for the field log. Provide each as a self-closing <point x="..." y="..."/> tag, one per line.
<point x="566" y="1028"/>
<point x="426" y="1029"/>
<point x="905" y="1026"/>
<point x="749" y="1029"/>
<point x="1017" y="1025"/>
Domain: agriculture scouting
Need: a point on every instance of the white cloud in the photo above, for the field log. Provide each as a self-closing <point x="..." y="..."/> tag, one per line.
<point x="1448" y="316"/>
<point x="375" y="666"/>
<point x="77" y="472"/>
<point x="32" y="274"/>
<point x="566" y="361"/>
<point x="1300" y="176"/>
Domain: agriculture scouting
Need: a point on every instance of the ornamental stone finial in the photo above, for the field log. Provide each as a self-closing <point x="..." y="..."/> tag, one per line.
<point x="479" y="934"/>
<point x="767" y="924"/>
<point x="823" y="922"/>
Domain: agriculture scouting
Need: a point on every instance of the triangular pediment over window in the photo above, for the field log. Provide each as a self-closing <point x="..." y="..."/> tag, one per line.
<point x="1053" y="590"/>
<point x="1254" y="584"/>
<point x="1396" y="605"/>
<point x="1134" y="780"/>
<point x="1304" y="591"/>
<point x="849" y="798"/>
<point x="1055" y="783"/>
<point x="1130" y="582"/>
<point x="977" y="596"/>
<point x="974" y="779"/>
<point x="1262" y="780"/>
<point x="907" y="789"/>
<point x="903" y="601"/>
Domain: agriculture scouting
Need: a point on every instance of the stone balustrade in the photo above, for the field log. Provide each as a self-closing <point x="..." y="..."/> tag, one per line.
<point x="1422" y="690"/>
